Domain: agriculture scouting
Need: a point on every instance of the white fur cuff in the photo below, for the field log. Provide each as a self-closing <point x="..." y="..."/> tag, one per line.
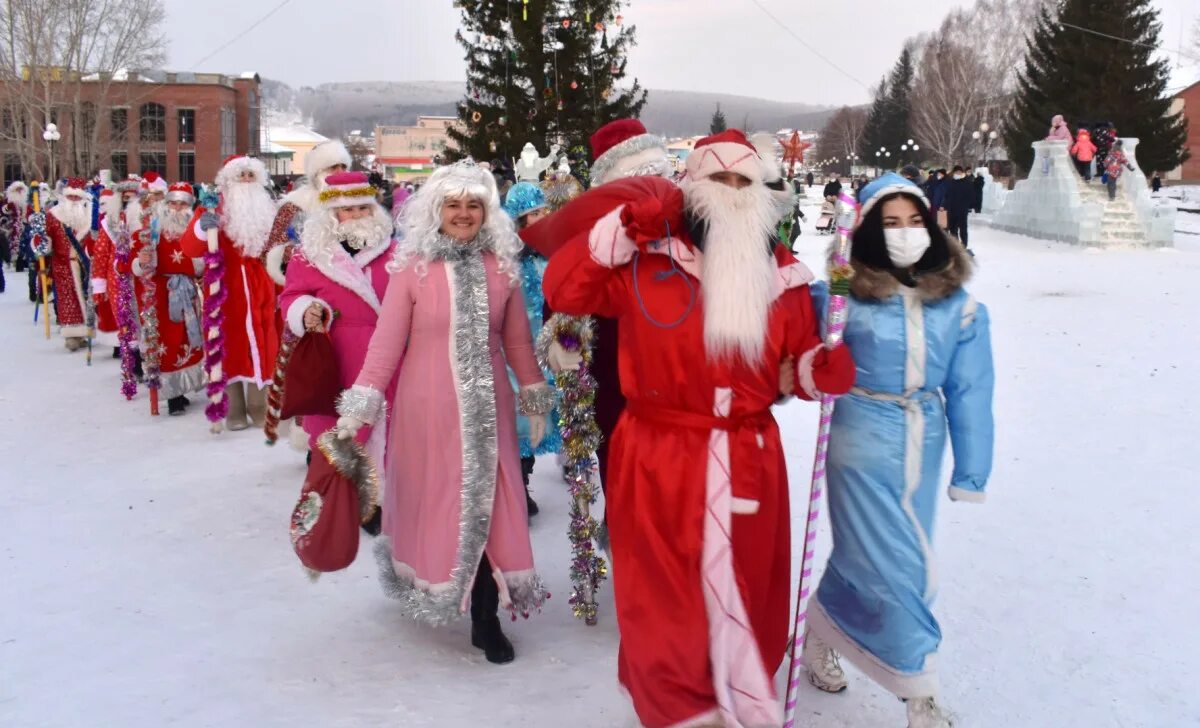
<point x="609" y="244"/>
<point x="743" y="506"/>
<point x="99" y="285"/>
<point x="274" y="264"/>
<point x="295" y="314"/>
<point x="967" y="496"/>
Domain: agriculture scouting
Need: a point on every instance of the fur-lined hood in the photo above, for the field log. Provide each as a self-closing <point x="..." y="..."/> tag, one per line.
<point x="873" y="284"/>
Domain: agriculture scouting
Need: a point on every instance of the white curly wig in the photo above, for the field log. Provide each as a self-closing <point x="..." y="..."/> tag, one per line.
<point x="419" y="226"/>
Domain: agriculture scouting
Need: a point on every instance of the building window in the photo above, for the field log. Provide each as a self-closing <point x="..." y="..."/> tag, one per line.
<point x="187" y="167"/>
<point x="228" y="133"/>
<point x="12" y="169"/>
<point x="152" y="123"/>
<point x="119" y="121"/>
<point x="187" y="126"/>
<point x="154" y="162"/>
<point x="87" y="121"/>
<point x="120" y="166"/>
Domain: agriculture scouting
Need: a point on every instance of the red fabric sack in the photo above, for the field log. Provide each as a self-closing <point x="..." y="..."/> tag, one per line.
<point x="338" y="496"/>
<point x="312" y="381"/>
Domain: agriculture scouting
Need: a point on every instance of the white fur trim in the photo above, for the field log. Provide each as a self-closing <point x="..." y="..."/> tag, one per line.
<point x="99" y="285"/>
<point x="106" y="338"/>
<point x="603" y="169"/>
<point x="743" y="506"/>
<point x="229" y="173"/>
<point x="361" y="284"/>
<point x="725" y="157"/>
<point x="297" y="437"/>
<point x="804" y="373"/>
<point x="137" y="267"/>
<point x="305" y="197"/>
<point x="260" y="379"/>
<point x="274" y="264"/>
<point x="701" y="720"/>
<point x="295" y="314"/>
<point x="623" y="166"/>
<point x="609" y="244"/>
<point x="967" y="496"/>
<point x="902" y="685"/>
<point x="323" y="156"/>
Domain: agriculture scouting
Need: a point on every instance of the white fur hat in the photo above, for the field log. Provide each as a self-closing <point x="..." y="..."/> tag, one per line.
<point x="236" y="164"/>
<point x="323" y="156"/>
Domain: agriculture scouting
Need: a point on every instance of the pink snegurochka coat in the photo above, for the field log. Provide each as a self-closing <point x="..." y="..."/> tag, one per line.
<point x="424" y="485"/>
<point x="351" y="290"/>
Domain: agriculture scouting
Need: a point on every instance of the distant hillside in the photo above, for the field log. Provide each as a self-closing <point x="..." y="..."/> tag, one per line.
<point x="338" y="108"/>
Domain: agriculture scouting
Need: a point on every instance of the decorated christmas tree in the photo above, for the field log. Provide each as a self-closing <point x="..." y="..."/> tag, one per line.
<point x="542" y="71"/>
<point x="1107" y="73"/>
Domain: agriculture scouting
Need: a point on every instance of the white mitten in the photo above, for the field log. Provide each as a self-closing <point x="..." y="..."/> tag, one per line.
<point x="537" y="431"/>
<point x="561" y="360"/>
<point x="348" y="427"/>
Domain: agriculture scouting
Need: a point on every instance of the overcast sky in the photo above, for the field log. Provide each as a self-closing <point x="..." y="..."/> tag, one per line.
<point x="727" y="46"/>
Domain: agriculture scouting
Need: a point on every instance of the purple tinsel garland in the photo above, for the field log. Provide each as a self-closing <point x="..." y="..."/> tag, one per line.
<point x="127" y="336"/>
<point x="149" y="310"/>
<point x="214" y="348"/>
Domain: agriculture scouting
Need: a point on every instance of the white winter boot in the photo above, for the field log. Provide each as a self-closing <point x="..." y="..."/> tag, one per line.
<point x="824" y="669"/>
<point x="926" y="713"/>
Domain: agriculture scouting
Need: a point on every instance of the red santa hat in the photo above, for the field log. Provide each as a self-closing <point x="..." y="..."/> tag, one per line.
<point x="623" y="146"/>
<point x="153" y="182"/>
<point x="238" y="163"/>
<point x="76" y="187"/>
<point x="347" y="189"/>
<point x="181" y="192"/>
<point x="729" y="151"/>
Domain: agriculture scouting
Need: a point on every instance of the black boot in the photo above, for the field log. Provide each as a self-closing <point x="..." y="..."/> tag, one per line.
<point x="374" y="524"/>
<point x="176" y="406"/>
<point x="526" y="471"/>
<point x="116" y="352"/>
<point x="138" y="374"/>
<point x="485" y="625"/>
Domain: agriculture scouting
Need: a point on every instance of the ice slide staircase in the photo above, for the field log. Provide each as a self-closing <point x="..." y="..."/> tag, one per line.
<point x="1055" y="203"/>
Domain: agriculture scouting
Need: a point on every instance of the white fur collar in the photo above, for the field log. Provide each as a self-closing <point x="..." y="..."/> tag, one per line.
<point x="337" y="268"/>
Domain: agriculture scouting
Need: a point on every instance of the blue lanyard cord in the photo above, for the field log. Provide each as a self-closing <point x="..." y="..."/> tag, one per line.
<point x="663" y="276"/>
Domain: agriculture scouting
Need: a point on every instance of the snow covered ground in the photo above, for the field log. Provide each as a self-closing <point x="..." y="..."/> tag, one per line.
<point x="146" y="578"/>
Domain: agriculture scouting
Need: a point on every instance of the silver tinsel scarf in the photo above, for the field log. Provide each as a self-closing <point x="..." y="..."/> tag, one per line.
<point x="472" y="362"/>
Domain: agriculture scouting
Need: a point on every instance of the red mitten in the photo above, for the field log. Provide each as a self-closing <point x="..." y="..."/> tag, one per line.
<point x="833" y="370"/>
<point x="651" y="216"/>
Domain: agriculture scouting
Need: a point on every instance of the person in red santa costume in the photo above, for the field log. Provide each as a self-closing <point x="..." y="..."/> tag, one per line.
<point x="251" y="337"/>
<point x="713" y="312"/>
<point x="104" y="274"/>
<point x="12" y="222"/>
<point x="177" y="298"/>
<point x="69" y="225"/>
<point x="620" y="149"/>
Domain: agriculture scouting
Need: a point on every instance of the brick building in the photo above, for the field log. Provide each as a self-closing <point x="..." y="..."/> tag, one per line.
<point x="181" y="125"/>
<point x="1188" y="101"/>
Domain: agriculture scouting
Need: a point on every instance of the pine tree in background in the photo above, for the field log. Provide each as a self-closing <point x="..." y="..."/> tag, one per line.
<point x="546" y="71"/>
<point x="717" y="125"/>
<point x="1090" y="79"/>
<point x="888" y="122"/>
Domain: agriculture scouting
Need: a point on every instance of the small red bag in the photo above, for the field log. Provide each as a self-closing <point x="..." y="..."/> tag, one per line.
<point x="338" y="496"/>
<point x="312" y="380"/>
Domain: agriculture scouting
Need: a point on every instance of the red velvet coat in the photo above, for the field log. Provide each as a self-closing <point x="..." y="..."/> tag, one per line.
<point x="697" y="498"/>
<point x="181" y="354"/>
<point x="69" y="285"/>
<point x="251" y="332"/>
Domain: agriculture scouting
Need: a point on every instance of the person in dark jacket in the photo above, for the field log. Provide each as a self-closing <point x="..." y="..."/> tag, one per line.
<point x="808" y="179"/>
<point x="1156" y="183"/>
<point x="832" y="188"/>
<point x="980" y="183"/>
<point x="958" y="197"/>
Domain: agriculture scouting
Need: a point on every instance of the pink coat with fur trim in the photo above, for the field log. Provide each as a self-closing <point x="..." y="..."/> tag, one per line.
<point x="351" y="292"/>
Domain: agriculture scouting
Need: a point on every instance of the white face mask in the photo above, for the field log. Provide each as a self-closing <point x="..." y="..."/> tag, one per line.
<point x="960" y="175"/>
<point x="906" y="245"/>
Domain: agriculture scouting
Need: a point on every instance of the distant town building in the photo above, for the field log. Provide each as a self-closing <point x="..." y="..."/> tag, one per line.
<point x="180" y="125"/>
<point x="299" y="139"/>
<point x="1188" y="101"/>
<point x="406" y="153"/>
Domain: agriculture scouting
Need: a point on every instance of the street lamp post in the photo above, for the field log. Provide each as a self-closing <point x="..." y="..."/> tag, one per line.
<point x="909" y="147"/>
<point x="984" y="136"/>
<point x="52" y="135"/>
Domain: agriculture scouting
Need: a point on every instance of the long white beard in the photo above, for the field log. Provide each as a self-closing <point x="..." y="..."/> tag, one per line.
<point x="133" y="215"/>
<point x="20" y="199"/>
<point x="247" y="214"/>
<point x="738" y="272"/>
<point x="75" y="214"/>
<point x="172" y="223"/>
<point x="323" y="233"/>
<point x="111" y="208"/>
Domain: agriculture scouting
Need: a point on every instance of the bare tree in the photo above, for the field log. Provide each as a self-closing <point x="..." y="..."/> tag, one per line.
<point x="842" y="134"/>
<point x="967" y="72"/>
<point x="60" y="59"/>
